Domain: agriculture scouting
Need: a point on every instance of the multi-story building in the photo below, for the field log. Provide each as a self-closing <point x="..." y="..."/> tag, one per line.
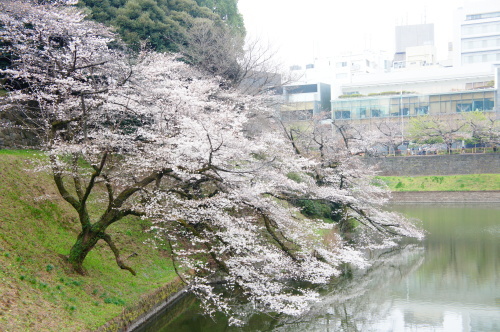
<point x="477" y="33"/>
<point x="414" y="46"/>
<point x="365" y="88"/>
<point x="417" y="85"/>
<point x="411" y="93"/>
<point x="342" y="67"/>
<point x="305" y="101"/>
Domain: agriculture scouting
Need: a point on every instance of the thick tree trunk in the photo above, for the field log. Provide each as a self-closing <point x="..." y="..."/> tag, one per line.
<point x="85" y="242"/>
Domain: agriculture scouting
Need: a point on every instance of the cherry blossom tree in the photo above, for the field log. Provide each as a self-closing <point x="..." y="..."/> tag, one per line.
<point x="153" y="137"/>
<point x="483" y="127"/>
<point x="438" y="129"/>
<point x="390" y="134"/>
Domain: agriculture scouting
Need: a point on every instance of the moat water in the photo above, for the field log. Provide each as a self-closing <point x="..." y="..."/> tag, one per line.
<point x="448" y="282"/>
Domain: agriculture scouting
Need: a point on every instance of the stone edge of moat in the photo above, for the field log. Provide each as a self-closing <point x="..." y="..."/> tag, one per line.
<point x="156" y="309"/>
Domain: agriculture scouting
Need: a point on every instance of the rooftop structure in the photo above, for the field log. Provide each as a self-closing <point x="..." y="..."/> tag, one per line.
<point x="414" y="46"/>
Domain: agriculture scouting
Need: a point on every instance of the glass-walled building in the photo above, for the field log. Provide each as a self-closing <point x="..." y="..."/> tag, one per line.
<point x="413" y="105"/>
<point x="305" y="101"/>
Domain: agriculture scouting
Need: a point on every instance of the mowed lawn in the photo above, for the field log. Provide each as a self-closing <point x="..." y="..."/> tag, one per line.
<point x="471" y="182"/>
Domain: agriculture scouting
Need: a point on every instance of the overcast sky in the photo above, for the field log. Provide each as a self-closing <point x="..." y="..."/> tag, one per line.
<point x="303" y="30"/>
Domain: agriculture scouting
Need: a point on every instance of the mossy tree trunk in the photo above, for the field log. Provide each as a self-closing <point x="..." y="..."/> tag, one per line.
<point x="85" y="242"/>
<point x="90" y="232"/>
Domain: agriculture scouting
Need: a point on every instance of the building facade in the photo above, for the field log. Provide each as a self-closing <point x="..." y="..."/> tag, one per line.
<point x="477" y="33"/>
<point x="305" y="101"/>
<point x="414" y="46"/>
<point x="435" y="92"/>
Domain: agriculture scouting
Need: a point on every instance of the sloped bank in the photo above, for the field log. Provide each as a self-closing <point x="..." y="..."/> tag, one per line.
<point x="445" y="197"/>
<point x="147" y="307"/>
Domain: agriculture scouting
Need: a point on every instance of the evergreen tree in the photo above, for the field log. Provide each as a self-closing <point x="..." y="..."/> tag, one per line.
<point x="227" y="11"/>
<point x="162" y="24"/>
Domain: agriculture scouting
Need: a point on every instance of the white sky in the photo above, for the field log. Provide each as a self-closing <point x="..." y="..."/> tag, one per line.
<point x="303" y="30"/>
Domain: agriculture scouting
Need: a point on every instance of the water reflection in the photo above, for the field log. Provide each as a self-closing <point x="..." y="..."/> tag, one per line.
<point x="354" y="304"/>
<point x="450" y="282"/>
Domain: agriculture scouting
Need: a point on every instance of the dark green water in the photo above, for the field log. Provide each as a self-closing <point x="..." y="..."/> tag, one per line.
<point x="449" y="282"/>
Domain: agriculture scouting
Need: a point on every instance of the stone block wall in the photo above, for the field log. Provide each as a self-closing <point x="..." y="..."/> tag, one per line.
<point x="13" y="138"/>
<point x="487" y="163"/>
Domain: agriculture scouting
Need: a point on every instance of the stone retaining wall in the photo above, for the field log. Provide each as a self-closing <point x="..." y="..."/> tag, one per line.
<point x="473" y="163"/>
<point x="13" y="138"/>
<point x="446" y="197"/>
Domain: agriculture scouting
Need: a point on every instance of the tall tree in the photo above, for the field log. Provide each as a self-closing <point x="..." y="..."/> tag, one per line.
<point x="227" y="11"/>
<point x="154" y="137"/>
<point x="160" y="23"/>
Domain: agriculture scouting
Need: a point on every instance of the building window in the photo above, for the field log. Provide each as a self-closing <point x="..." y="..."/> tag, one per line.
<point x="489" y="104"/>
<point x="473" y="17"/>
<point x="422" y="110"/>
<point x="342" y="64"/>
<point x="478" y="105"/>
<point x="342" y="114"/>
<point x="376" y="113"/>
<point x="478" y="85"/>
<point x="307" y="88"/>
<point x="482" y="16"/>
<point x="464" y="107"/>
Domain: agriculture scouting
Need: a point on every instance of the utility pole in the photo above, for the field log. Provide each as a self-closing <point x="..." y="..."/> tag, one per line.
<point x="401" y="115"/>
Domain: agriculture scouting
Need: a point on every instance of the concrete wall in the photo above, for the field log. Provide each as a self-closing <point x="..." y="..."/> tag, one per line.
<point x="488" y="163"/>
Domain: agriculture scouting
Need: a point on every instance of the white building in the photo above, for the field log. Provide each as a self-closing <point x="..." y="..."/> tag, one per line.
<point x="435" y="91"/>
<point x="477" y="33"/>
<point x="423" y="81"/>
<point x="342" y="67"/>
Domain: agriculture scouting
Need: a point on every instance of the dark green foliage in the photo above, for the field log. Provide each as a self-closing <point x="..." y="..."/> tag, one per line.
<point x="5" y="56"/>
<point x="227" y="10"/>
<point x="317" y="209"/>
<point x="162" y="24"/>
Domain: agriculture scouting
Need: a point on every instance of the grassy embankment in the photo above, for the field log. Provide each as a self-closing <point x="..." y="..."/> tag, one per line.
<point x="38" y="292"/>
<point x="473" y="182"/>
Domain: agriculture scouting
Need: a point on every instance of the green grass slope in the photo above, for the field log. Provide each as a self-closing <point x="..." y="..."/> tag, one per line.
<point x="38" y="292"/>
<point x="472" y="182"/>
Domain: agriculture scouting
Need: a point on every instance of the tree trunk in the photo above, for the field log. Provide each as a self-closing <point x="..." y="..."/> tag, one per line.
<point x="85" y="242"/>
